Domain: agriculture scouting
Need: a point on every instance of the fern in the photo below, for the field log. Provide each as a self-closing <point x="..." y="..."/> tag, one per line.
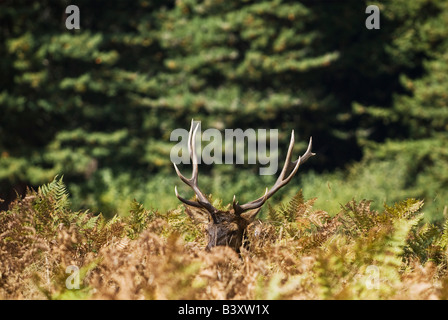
<point x="358" y="217"/>
<point x="295" y="207"/>
<point x="443" y="240"/>
<point x="91" y="223"/>
<point x="300" y="221"/>
<point x="274" y="216"/>
<point x="424" y="243"/>
<point x="138" y="219"/>
<point x="297" y="252"/>
<point x="404" y="210"/>
<point x="56" y="191"/>
<point x="114" y="220"/>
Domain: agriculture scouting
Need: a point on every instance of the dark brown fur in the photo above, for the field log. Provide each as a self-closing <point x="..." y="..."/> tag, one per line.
<point x="229" y="229"/>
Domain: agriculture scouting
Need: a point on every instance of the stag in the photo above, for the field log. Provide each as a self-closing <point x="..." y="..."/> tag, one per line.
<point x="228" y="228"/>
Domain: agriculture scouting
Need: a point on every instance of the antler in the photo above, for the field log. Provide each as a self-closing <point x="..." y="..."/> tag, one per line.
<point x="281" y="181"/>
<point x="202" y="201"/>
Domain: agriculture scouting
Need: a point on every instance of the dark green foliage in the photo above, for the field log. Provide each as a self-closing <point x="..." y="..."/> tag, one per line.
<point x="98" y="104"/>
<point x="413" y="127"/>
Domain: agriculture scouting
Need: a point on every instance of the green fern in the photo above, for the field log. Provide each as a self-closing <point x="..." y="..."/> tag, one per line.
<point x="91" y="223"/>
<point x="358" y="217"/>
<point x="404" y="209"/>
<point x="294" y="208"/>
<point x="56" y="191"/>
<point x="138" y="219"/>
<point x="288" y="212"/>
<point x="300" y="221"/>
<point x="423" y="243"/>
<point x="273" y="215"/>
<point x="443" y="240"/>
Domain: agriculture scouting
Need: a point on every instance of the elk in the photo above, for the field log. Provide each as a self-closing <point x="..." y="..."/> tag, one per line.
<point x="228" y="228"/>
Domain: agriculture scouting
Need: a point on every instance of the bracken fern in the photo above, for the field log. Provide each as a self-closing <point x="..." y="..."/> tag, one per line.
<point x="296" y="252"/>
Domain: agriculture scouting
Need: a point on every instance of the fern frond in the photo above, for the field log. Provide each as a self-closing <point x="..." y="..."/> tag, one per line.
<point x="405" y="209"/>
<point x="273" y="215"/>
<point x="57" y="191"/>
<point x="295" y="207"/>
<point x="359" y="216"/>
<point x="423" y="243"/>
<point x="138" y="219"/>
<point x="443" y="240"/>
<point x="91" y="223"/>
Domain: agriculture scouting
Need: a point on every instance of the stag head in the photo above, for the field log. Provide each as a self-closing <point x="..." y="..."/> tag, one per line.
<point x="228" y="228"/>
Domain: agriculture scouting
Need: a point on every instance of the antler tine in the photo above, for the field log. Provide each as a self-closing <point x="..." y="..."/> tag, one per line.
<point x="288" y="157"/>
<point x="308" y="152"/>
<point x="281" y="181"/>
<point x="296" y="164"/>
<point x="202" y="201"/>
<point x="189" y="202"/>
<point x="193" y="155"/>
<point x="181" y="176"/>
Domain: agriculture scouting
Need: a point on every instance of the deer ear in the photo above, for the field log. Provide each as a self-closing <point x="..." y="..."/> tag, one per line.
<point x="198" y="215"/>
<point x="250" y="215"/>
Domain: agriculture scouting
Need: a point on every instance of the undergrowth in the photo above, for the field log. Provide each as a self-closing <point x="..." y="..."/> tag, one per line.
<point x="295" y="252"/>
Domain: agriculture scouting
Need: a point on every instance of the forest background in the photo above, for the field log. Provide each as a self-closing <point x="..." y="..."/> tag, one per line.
<point x="97" y="105"/>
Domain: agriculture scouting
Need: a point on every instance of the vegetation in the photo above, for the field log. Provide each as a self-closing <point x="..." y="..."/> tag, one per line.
<point x="296" y="252"/>
<point x="98" y="104"/>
